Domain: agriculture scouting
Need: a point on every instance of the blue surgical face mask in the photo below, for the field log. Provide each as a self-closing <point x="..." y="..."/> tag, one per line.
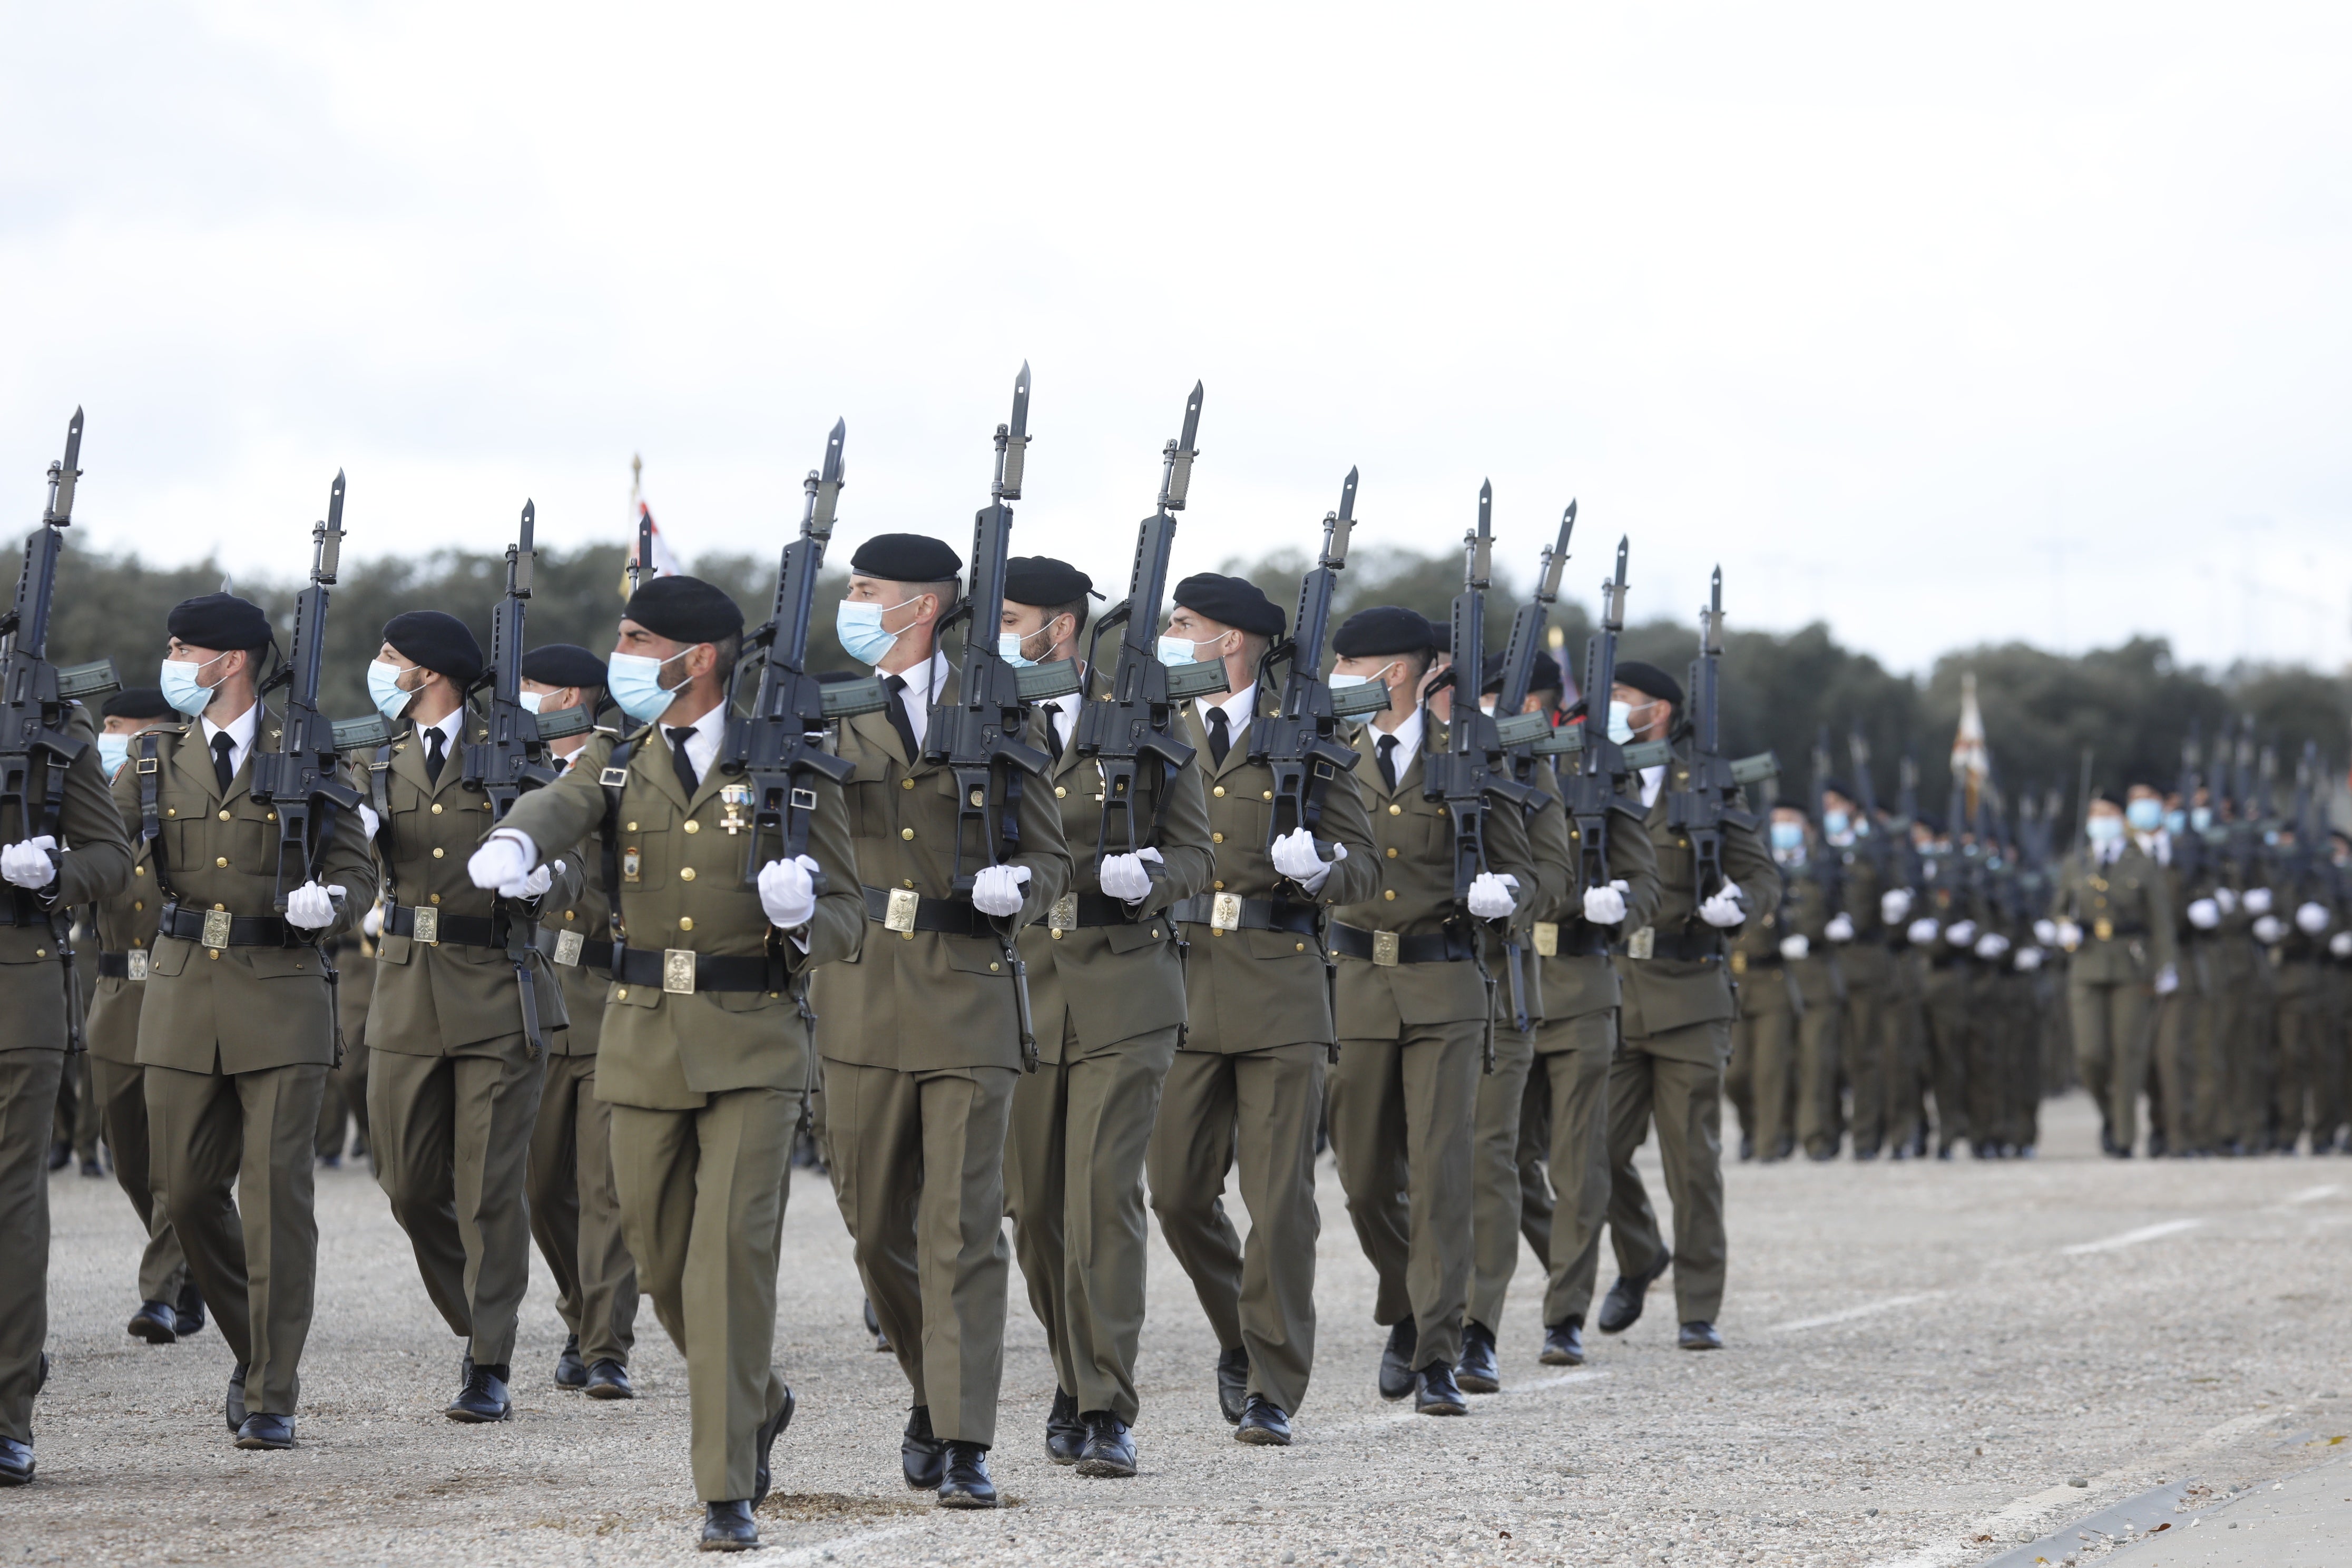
<point x="1339" y="683"/>
<point x="113" y="751"/>
<point x="1621" y="722"/>
<point x="634" y="681"/>
<point x="858" y="625"/>
<point x="2200" y="817"/>
<point x="2176" y="821"/>
<point x="181" y="688"/>
<point x="2145" y="815"/>
<point x="530" y="700"/>
<point x="1788" y="836"/>
<point x="1008" y="648"/>
<point x="1835" y="824"/>
<point x="2105" y="829"/>
<point x="385" y="690"/>
<point x="1183" y="650"/>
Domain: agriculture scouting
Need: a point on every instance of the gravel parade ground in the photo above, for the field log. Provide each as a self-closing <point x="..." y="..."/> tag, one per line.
<point x="1927" y="1364"/>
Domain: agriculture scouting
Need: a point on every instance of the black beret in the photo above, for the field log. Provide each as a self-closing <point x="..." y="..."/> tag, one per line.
<point x="684" y="609"/>
<point x="1649" y="681"/>
<point x="1043" y="581"/>
<point x="137" y="702"/>
<point x="1542" y="675"/>
<point x="1384" y="629"/>
<point x="220" y="621"/>
<point x="1235" y="602"/>
<point x="1836" y="786"/>
<point x="1929" y="821"/>
<point x="437" y="640"/>
<point x="563" y="664"/>
<point x="907" y="558"/>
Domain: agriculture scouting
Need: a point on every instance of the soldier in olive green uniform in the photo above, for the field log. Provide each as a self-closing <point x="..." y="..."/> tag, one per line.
<point x="170" y="1304"/>
<point x="1412" y="1009"/>
<point x="921" y="1035"/>
<point x="43" y="883"/>
<point x="2294" y="936"/>
<point x="238" y="1029"/>
<point x="455" y="1072"/>
<point x="346" y="1098"/>
<point x="704" y="1056"/>
<point x="1870" y="1031"/>
<point x="575" y="1216"/>
<point x="1246" y="1092"/>
<point x="1676" y="1038"/>
<point x="2115" y="920"/>
<point x="1944" y="928"/>
<point x="1107" y="990"/>
<point x="1790" y="997"/>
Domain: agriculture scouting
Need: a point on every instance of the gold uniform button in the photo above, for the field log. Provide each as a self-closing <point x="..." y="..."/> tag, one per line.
<point x="439" y="852"/>
<point x="1213" y="931"/>
<point x="1396" y="811"/>
<point x="906" y="833"/>
<point x="910" y="881"/>
<point x="272" y="817"/>
<point x="43" y="952"/>
<point x="437" y="808"/>
<point x="223" y="817"/>
<point x="1299" y="947"/>
<point x="992" y="968"/>
<point x="906" y="783"/>
<point x="568" y="915"/>
<point x="625" y="992"/>
<point x="434" y="898"/>
<point x="221" y="861"/>
<point x="1060" y="793"/>
<point x="686" y="874"/>
<point x="138" y="870"/>
<point x="1055" y="933"/>
<point x="170" y="811"/>
<point x="686" y="923"/>
<point x="220" y="906"/>
<point x="1219" y="792"/>
<point x="1392" y="851"/>
<point x="632" y="828"/>
<point x="693" y="827"/>
<point x="212" y="954"/>
<point x="1389" y="895"/>
<point x="1216" y="887"/>
<point x="1216" y="839"/>
<point x="1155" y="930"/>
<point x="1269" y="795"/>
<point x="137" y="903"/>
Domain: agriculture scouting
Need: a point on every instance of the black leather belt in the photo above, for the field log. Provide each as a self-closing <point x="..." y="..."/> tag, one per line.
<point x="900" y="910"/>
<point x="1576" y="939"/>
<point x="1768" y="959"/>
<point x="711" y="972"/>
<point x="1247" y="914"/>
<point x="465" y="931"/>
<point x="1088" y="909"/>
<point x="1687" y="946"/>
<point x="593" y="954"/>
<point x="114" y="966"/>
<point x="1451" y="946"/>
<point x="233" y="930"/>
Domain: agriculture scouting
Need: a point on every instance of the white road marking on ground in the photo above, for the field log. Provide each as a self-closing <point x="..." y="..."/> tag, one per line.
<point x="1407" y="1413"/>
<point x="2313" y="1195"/>
<point x="1867" y="1309"/>
<point x="2132" y="1237"/>
<point x="838" y="1547"/>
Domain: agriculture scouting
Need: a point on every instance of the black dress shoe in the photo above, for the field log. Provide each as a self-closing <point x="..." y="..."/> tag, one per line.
<point x="923" y="1456"/>
<point x="1699" y="1335"/>
<point x="483" y="1397"/>
<point x="966" y="1483"/>
<point x="15" y="1462"/>
<point x="1475" y="1372"/>
<point x="1865" y="1150"/>
<point x="1233" y="1381"/>
<point x="770" y="1430"/>
<point x="261" y="1431"/>
<point x="1110" y="1447"/>
<point x="1065" y="1433"/>
<point x="188" y="1311"/>
<point x="331" y="1161"/>
<point x="233" y="1405"/>
<point x="729" y="1527"/>
<point x="1435" y="1394"/>
<point x="60" y="1155"/>
<point x="571" y="1372"/>
<point x="873" y="1327"/>
<point x="1623" y="1307"/>
<point x="1564" y="1344"/>
<point x="1396" y="1360"/>
<point x="608" y="1379"/>
<point x="91" y="1167"/>
<point x="1265" y="1424"/>
<point x="155" y="1323"/>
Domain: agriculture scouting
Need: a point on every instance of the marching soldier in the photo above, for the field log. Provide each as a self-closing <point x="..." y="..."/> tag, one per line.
<point x="1107" y="991"/>
<point x="170" y="1305"/>
<point x="455" y="1068"/>
<point x="1783" y="1071"/>
<point x="2115" y="921"/>
<point x="1412" y="1009"/>
<point x="346" y="1097"/>
<point x="704" y="1053"/>
<point x="1675" y="1040"/>
<point x="575" y="1216"/>
<point x="44" y="883"/>
<point x="921" y="1043"/>
<point x="1870" y="1031"/>
<point x="1245" y="1091"/>
<point x="2168" y="1068"/>
<point x="1943" y="933"/>
<point x="237" y="1032"/>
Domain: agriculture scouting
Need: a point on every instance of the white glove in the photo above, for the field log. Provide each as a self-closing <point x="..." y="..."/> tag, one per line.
<point x="1960" y="933"/>
<point x="1840" y="929"/>
<point x="2167" y="981"/>
<point x="1795" y="947"/>
<point x="1493" y="898"/>
<point x="1992" y="945"/>
<point x="996" y="891"/>
<point x="1922" y="931"/>
<point x="2226" y="899"/>
<point x="788" y="892"/>
<point x="2028" y="959"/>
<point x="2258" y="901"/>
<point x="2269" y="929"/>
<point x="1124" y="878"/>
<point x="2045" y="931"/>
<point x="1894" y="906"/>
<point x="506" y="856"/>
<point x="368" y="820"/>
<point x="529" y="886"/>
<point x="28" y="864"/>
<point x="1294" y="856"/>
<point x="2313" y="917"/>
<point x="2340" y="944"/>
<point x="372" y="922"/>
<point x="2204" y="913"/>
<point x="1605" y="906"/>
<point x="2070" y="935"/>
<point x="1725" y="910"/>
<point x="310" y="906"/>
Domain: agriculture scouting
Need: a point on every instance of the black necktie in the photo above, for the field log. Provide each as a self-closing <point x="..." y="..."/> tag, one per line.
<point x="1053" y="729"/>
<point x="434" y="740"/>
<point x="1220" y="739"/>
<point x="223" y="744"/>
<point x="1388" y="760"/>
<point x="679" y="759"/>
<point x="896" y="685"/>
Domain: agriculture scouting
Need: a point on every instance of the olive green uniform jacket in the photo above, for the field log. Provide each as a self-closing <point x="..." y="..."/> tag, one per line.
<point x="1664" y="995"/>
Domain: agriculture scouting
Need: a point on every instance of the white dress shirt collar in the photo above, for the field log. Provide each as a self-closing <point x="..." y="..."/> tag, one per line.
<point x="923" y="681"/>
<point x="1408" y="742"/>
<point x="1654" y="779"/>
<point x="702" y="745"/>
<point x="240" y="731"/>
<point x="1238" y="706"/>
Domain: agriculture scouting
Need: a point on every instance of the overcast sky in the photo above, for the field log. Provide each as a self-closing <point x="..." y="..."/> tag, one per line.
<point x="1990" y="322"/>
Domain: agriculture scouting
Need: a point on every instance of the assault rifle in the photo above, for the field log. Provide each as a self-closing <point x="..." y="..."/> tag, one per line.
<point x="2189" y="844"/>
<point x="1297" y="742"/>
<point x="778" y="747"/>
<point x="1877" y="834"/>
<point x="1715" y="798"/>
<point x="1831" y="863"/>
<point x="1519" y="732"/>
<point x="1136" y="718"/>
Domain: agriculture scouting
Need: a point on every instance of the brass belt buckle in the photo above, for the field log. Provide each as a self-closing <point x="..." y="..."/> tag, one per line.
<point x="424" y="926"/>
<point x="1384" y="949"/>
<point x="2105" y="929"/>
<point x="900" y="916"/>
<point x="135" y="964"/>
<point x="677" y="970"/>
<point x="1739" y="962"/>
<point x="1225" y="912"/>
<point x="567" y="948"/>
<point x="1062" y="913"/>
<point x="215" y="929"/>
<point x="1643" y="943"/>
<point x="1546" y="936"/>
